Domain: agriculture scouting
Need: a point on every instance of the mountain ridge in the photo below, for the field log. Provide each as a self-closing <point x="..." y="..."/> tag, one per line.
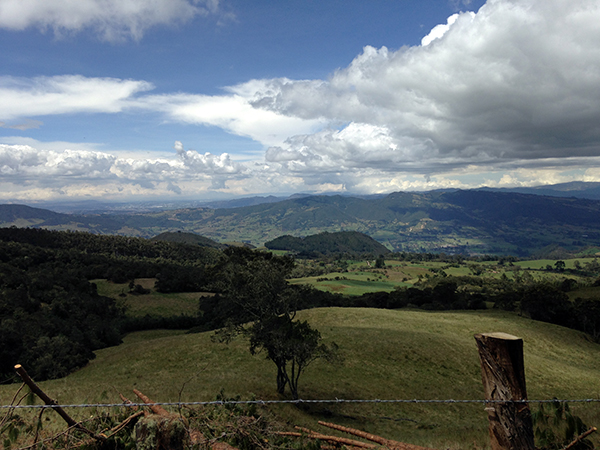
<point x="578" y="189"/>
<point x="453" y="221"/>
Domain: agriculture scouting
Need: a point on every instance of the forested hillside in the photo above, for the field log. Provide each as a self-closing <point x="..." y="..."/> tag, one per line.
<point x="52" y="318"/>
<point x="343" y="242"/>
<point x="187" y="238"/>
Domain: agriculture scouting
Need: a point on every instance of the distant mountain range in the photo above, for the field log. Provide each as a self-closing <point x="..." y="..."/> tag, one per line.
<point x="469" y="221"/>
<point x="577" y="189"/>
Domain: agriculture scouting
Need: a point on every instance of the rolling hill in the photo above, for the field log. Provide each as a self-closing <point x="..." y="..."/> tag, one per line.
<point x="187" y="238"/>
<point x="388" y="355"/>
<point x="474" y="221"/>
<point x="327" y="243"/>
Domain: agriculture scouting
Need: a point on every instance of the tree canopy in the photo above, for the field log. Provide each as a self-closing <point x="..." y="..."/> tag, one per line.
<point x="265" y="305"/>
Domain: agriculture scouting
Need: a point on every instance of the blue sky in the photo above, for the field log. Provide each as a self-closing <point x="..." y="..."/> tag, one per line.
<point x="123" y="100"/>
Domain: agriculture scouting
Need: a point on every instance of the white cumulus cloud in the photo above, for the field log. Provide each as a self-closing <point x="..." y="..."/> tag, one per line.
<point x="518" y="81"/>
<point x="111" y="19"/>
<point x="67" y="94"/>
<point x="234" y="113"/>
<point x="83" y="172"/>
<point x="439" y="30"/>
<point x="513" y="88"/>
<point x="26" y="162"/>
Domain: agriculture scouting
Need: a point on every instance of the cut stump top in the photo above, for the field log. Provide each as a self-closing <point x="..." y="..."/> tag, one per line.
<point x="500" y="335"/>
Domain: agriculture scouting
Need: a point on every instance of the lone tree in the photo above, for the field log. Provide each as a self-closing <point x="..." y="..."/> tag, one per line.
<point x="254" y="283"/>
<point x="291" y="345"/>
<point x="560" y="265"/>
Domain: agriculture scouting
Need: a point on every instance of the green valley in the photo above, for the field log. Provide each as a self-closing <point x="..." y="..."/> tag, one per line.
<point x="401" y="324"/>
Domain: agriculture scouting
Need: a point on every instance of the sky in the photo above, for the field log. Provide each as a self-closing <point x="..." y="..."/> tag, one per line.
<point x="126" y="100"/>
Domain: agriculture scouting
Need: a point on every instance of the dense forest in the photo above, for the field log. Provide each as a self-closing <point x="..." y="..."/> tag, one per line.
<point x="53" y="319"/>
<point x="326" y="243"/>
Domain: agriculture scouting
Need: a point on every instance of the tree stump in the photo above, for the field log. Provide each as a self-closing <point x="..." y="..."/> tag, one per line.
<point x="503" y="375"/>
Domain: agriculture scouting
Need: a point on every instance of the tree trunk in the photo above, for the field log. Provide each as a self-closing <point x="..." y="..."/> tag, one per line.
<point x="503" y="375"/>
<point x="282" y="378"/>
<point x="296" y="371"/>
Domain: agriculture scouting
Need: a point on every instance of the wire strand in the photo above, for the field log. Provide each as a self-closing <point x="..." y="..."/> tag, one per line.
<point x="298" y="401"/>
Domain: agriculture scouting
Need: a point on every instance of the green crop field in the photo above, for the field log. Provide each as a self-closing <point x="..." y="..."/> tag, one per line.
<point x="388" y="354"/>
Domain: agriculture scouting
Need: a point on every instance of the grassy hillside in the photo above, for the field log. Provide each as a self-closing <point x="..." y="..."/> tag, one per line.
<point x="388" y="355"/>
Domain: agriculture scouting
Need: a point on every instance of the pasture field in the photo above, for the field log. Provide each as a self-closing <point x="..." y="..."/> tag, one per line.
<point x="538" y="264"/>
<point x="154" y="303"/>
<point x="351" y="283"/>
<point x="388" y="354"/>
<point x="363" y="277"/>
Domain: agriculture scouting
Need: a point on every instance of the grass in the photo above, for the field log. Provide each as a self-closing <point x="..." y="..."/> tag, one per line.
<point x="155" y="303"/>
<point x="352" y="283"/>
<point x="542" y="263"/>
<point x="586" y="292"/>
<point x="388" y="355"/>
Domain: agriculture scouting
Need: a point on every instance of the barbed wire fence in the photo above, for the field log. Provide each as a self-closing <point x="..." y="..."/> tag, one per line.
<point x="503" y="378"/>
<point x="298" y="401"/>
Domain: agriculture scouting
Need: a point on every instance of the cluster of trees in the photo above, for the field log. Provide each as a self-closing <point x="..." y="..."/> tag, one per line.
<point x="545" y="300"/>
<point x="51" y="317"/>
<point x="549" y="302"/>
<point x="178" y="267"/>
<point x="109" y="245"/>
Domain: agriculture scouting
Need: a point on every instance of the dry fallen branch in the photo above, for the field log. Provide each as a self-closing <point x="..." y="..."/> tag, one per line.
<point x="339" y="440"/>
<point x="194" y="435"/>
<point x="38" y="427"/>
<point x="128" y="402"/>
<point x="48" y="401"/>
<point x="359" y="433"/>
<point x="222" y="446"/>
<point x="123" y="424"/>
<point x="52" y="438"/>
<point x="374" y="438"/>
<point x="156" y="409"/>
<point x="13" y="404"/>
<point x="296" y="434"/>
<point x="580" y="437"/>
<point x="197" y="437"/>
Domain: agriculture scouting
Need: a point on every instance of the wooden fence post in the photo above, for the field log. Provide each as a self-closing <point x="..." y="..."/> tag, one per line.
<point x="503" y="375"/>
